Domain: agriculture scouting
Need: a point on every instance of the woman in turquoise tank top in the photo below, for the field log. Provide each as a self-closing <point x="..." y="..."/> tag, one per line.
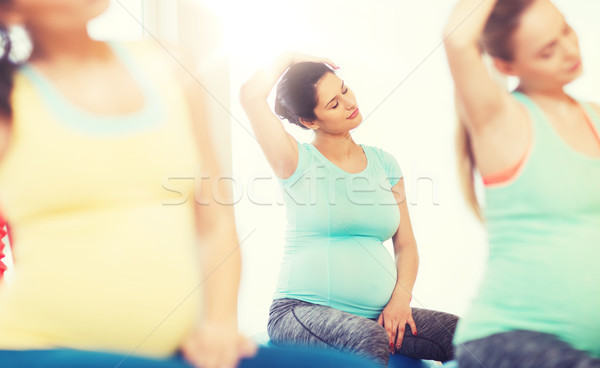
<point x="338" y="286"/>
<point x="538" y="152"/>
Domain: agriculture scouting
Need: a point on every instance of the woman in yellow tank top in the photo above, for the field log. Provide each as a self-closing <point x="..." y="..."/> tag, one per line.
<point x="118" y="260"/>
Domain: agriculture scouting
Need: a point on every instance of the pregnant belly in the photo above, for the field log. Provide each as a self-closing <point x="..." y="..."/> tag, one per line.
<point x="149" y="310"/>
<point x="95" y="291"/>
<point x="552" y="292"/>
<point x="356" y="275"/>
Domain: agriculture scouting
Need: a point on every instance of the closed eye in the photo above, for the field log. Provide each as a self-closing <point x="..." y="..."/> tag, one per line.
<point x="344" y="91"/>
<point x="548" y="54"/>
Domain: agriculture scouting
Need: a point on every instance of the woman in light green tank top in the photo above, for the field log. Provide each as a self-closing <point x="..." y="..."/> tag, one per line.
<point x="338" y="286"/>
<point x="538" y="152"/>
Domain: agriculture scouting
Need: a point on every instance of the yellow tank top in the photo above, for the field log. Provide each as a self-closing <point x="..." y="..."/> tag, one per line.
<point x="104" y="238"/>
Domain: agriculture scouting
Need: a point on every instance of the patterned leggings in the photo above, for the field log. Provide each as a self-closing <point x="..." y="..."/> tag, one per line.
<point x="522" y="349"/>
<point x="295" y="322"/>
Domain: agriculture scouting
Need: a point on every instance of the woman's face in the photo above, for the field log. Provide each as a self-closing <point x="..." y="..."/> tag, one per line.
<point x="56" y="15"/>
<point x="336" y="108"/>
<point x="546" y="48"/>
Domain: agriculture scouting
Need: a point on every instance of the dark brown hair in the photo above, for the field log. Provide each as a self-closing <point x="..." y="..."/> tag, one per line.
<point x="499" y="30"/>
<point x="7" y="69"/>
<point x="297" y="92"/>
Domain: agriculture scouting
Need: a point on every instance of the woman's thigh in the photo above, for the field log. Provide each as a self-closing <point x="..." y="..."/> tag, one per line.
<point x="294" y="322"/>
<point x="433" y="341"/>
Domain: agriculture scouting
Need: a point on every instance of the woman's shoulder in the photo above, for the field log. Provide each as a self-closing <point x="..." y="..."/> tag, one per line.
<point x="306" y="152"/>
<point x="379" y="152"/>
<point x="386" y="161"/>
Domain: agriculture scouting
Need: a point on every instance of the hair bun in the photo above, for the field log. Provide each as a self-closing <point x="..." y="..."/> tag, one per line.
<point x="282" y="111"/>
<point x="297" y="92"/>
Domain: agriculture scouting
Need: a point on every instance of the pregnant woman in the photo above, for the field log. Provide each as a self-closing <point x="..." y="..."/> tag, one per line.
<point x="538" y="151"/>
<point x="338" y="286"/>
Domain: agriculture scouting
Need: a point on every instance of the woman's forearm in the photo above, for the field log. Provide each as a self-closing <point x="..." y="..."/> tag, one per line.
<point x="221" y="269"/>
<point x="262" y="82"/>
<point x="467" y="21"/>
<point x="219" y="247"/>
<point x="407" y="264"/>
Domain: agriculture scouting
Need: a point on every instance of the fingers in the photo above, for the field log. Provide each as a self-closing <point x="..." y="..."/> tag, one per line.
<point x="380" y="319"/>
<point x="213" y="359"/>
<point x="202" y="354"/>
<point x="325" y="61"/>
<point x="391" y="329"/>
<point x="299" y="57"/>
<point x="192" y="352"/>
<point x="228" y="358"/>
<point x="402" y="330"/>
<point x="413" y="326"/>
<point x="247" y="348"/>
<point x="331" y="64"/>
<point x="399" y="336"/>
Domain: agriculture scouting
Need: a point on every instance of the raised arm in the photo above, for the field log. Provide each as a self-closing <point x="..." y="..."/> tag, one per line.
<point x="280" y="148"/>
<point x="482" y="102"/>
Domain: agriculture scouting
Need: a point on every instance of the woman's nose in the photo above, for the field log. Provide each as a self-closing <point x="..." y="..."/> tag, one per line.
<point x="571" y="48"/>
<point x="349" y="103"/>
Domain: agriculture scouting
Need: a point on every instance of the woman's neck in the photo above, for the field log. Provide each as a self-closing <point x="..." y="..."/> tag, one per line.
<point x="335" y="146"/>
<point x="549" y="94"/>
<point x="556" y="102"/>
<point x="73" y="47"/>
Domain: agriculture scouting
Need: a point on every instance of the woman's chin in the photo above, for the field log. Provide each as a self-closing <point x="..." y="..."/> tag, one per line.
<point x="573" y="76"/>
<point x="356" y="124"/>
<point x="358" y="120"/>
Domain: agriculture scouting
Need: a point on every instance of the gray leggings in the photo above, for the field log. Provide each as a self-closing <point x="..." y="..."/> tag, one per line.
<point x="522" y="349"/>
<point x="295" y="322"/>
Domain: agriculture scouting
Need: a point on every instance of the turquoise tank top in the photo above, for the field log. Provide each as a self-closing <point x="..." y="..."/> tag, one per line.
<point x="543" y="270"/>
<point x="337" y="223"/>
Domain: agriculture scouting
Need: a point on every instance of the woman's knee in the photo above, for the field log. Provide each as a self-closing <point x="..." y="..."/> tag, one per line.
<point x="326" y="327"/>
<point x="436" y="331"/>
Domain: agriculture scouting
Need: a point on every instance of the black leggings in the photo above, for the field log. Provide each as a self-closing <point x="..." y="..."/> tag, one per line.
<point x="294" y="322"/>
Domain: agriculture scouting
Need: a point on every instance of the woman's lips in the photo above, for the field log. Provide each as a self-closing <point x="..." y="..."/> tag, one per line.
<point x="575" y="67"/>
<point x="354" y="114"/>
